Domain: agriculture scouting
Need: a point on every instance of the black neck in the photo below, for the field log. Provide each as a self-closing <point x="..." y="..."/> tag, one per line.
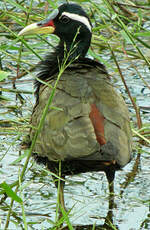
<point x="68" y="51"/>
<point x="64" y="51"/>
<point x="72" y="50"/>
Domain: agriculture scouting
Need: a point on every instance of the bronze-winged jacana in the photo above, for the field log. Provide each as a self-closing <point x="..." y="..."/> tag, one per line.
<point x="91" y="130"/>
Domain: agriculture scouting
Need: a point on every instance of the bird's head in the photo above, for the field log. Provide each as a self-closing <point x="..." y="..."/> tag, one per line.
<point x="68" y="22"/>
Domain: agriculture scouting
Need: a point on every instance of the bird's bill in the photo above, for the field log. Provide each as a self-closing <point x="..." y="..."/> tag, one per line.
<point x="43" y="27"/>
<point x="36" y="29"/>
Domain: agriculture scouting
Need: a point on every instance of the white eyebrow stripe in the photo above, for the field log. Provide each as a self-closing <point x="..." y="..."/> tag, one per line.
<point x="79" y="18"/>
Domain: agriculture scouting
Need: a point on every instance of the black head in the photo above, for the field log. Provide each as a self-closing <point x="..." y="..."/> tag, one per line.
<point x="70" y="23"/>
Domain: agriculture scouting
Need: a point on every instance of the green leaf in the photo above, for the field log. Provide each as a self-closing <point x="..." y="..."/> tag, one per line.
<point x="13" y="3"/>
<point x="41" y="4"/>
<point x="3" y="75"/>
<point x="10" y="192"/>
<point x="56" y="108"/>
<point x="114" y="16"/>
<point x="125" y="36"/>
<point x="3" y="98"/>
<point x="142" y="34"/>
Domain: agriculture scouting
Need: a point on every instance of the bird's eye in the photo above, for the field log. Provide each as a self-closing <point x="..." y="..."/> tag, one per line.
<point x="64" y="19"/>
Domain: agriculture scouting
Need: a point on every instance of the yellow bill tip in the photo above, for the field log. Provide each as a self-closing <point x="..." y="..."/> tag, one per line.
<point x="35" y="29"/>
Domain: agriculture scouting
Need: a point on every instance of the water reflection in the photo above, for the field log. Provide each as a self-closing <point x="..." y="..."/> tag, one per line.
<point x="108" y="220"/>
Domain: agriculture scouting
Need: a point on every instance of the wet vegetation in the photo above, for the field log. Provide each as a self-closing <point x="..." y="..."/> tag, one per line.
<point x="28" y="198"/>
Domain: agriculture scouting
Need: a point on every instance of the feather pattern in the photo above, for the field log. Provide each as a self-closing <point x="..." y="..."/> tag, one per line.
<point x="93" y="123"/>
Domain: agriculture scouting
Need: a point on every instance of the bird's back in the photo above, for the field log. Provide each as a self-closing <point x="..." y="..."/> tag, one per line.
<point x="88" y="120"/>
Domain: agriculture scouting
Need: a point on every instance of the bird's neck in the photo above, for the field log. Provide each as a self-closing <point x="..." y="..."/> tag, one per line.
<point x="66" y="52"/>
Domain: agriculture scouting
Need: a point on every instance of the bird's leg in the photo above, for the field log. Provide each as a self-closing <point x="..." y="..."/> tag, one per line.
<point x="61" y="195"/>
<point x="110" y="174"/>
<point x="60" y="207"/>
<point x="60" y="191"/>
<point x="59" y="181"/>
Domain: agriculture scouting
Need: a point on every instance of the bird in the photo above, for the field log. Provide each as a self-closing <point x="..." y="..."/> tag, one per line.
<point x="87" y="126"/>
